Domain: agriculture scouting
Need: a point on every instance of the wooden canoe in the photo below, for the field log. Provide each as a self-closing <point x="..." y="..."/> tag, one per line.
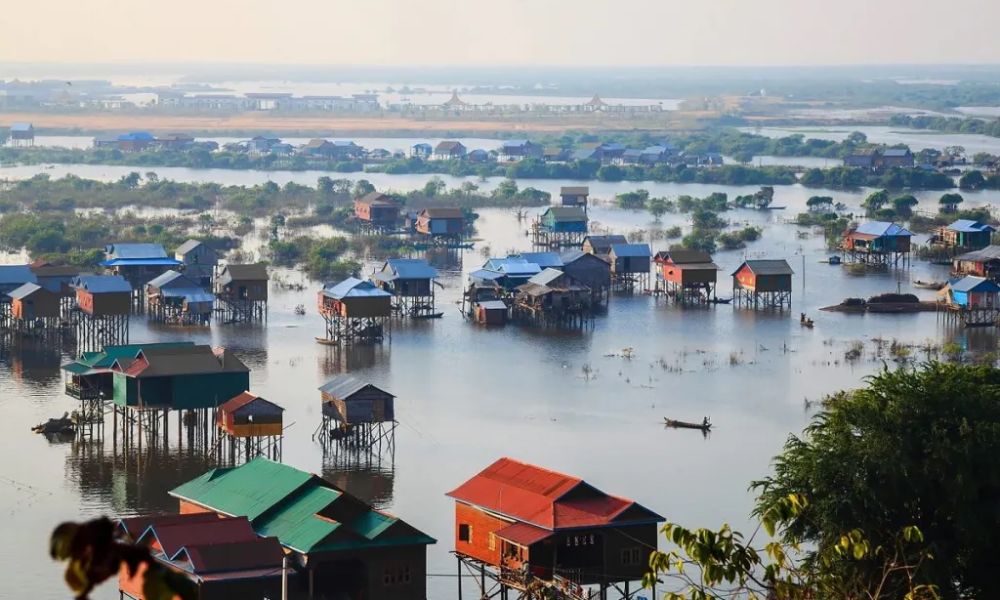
<point x="686" y="425"/>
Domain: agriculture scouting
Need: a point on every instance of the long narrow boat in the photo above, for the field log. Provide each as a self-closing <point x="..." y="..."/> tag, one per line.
<point x="705" y="425"/>
<point x="928" y="285"/>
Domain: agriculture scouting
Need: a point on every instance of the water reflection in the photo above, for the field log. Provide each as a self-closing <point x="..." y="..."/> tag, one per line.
<point x="369" y="478"/>
<point x="334" y="360"/>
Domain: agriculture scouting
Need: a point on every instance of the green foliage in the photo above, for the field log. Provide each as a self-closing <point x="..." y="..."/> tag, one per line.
<point x="820" y="203"/>
<point x="911" y="448"/>
<point x="949" y="202"/>
<point x="949" y="124"/>
<point x="971" y="180"/>
<point x="875" y="201"/>
<point x="94" y="554"/>
<point x="658" y="207"/>
<point x="636" y="199"/>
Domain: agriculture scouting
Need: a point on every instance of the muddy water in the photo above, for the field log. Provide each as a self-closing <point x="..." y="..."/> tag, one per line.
<point x="467" y="395"/>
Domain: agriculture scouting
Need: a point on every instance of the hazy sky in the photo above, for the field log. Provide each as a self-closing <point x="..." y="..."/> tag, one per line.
<point x="503" y="32"/>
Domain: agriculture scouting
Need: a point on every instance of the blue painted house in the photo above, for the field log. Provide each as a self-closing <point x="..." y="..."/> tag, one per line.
<point x="967" y="235"/>
<point x="974" y="292"/>
<point x="564" y="219"/>
<point x="877" y="237"/>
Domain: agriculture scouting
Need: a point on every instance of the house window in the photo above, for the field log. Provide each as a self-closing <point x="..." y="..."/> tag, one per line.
<point x="465" y="532"/>
<point x="632" y="556"/>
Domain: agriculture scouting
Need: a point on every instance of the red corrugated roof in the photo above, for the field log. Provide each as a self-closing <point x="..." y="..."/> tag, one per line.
<point x="238" y="402"/>
<point x="543" y="498"/>
<point x="178" y="535"/>
<point x="136" y="526"/>
<point x="523" y="534"/>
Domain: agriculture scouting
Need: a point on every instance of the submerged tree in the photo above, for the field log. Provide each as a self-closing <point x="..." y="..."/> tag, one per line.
<point x="949" y="202"/>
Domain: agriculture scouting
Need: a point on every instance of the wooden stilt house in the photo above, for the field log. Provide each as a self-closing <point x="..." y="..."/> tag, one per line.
<point x="981" y="263"/>
<point x="198" y="262"/>
<point x="411" y="283"/>
<point x="590" y="270"/>
<point x="354" y="311"/>
<point x="242" y="292"/>
<point x="686" y="275"/>
<point x="630" y="266"/>
<point x="763" y="284"/>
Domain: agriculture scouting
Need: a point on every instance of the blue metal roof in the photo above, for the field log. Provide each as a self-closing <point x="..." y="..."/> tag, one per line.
<point x="896" y="152"/>
<point x="485" y="275"/>
<point x="165" y="278"/>
<point x="544" y="260"/>
<point x="882" y="229"/>
<point x="192" y="295"/>
<point x="21" y="127"/>
<point x="422" y="145"/>
<point x="632" y="152"/>
<point x="631" y="250"/>
<point x="352" y="287"/>
<point x="512" y="266"/>
<point x="16" y="274"/>
<point x="409" y="268"/>
<point x="140" y="262"/>
<point x="515" y="143"/>
<point x="969" y="226"/>
<point x="136" y="136"/>
<point x="974" y="284"/>
<point x="102" y="284"/>
<point x="132" y="250"/>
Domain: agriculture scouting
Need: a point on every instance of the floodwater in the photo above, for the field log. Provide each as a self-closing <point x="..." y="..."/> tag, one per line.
<point x="916" y="139"/>
<point x="468" y="395"/>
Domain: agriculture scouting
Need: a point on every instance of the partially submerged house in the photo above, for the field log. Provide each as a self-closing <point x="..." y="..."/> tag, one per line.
<point x="560" y="226"/>
<point x="411" y="283"/>
<point x="590" y="270"/>
<point x="198" y="261"/>
<point x="686" y="274"/>
<point x="449" y="150"/>
<point x="601" y="244"/>
<point x="22" y="134"/>
<point x="377" y="210"/>
<point x="138" y="264"/>
<point x="879" y="243"/>
<point x="441" y="222"/>
<point x="242" y="292"/>
<point x="981" y="263"/>
<point x="630" y="265"/>
<point x="177" y="299"/>
<point x="763" y="283"/>
<point x="182" y="377"/>
<point x="966" y="235"/>
<point x="222" y="556"/>
<point x="973" y="301"/>
<point x="338" y="545"/>
<point x="575" y="195"/>
<point x="534" y="527"/>
<point x="354" y="311"/>
<point x="553" y="297"/>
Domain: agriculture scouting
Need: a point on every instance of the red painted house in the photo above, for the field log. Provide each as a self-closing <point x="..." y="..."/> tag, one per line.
<point x="527" y="522"/>
<point x="377" y="209"/>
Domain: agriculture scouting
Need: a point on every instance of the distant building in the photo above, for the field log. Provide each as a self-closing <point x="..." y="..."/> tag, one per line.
<point x="175" y="378"/>
<point x="600" y="245"/>
<point x="136" y="141"/>
<point x="981" y="263"/>
<point x="512" y="150"/>
<point x="138" y="263"/>
<point x="892" y="158"/>
<point x="441" y="222"/>
<point x="198" y="261"/>
<point x="22" y="134"/>
<point x="967" y="235"/>
<point x="449" y="150"/>
<point x="574" y="195"/>
<point x="564" y="219"/>
<point x="421" y="150"/>
<point x="377" y="210"/>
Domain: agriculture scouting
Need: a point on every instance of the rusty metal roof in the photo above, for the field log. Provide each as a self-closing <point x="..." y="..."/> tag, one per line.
<point x="523" y="534"/>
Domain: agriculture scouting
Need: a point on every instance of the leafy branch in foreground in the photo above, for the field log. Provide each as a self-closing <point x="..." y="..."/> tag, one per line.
<point x="723" y="564"/>
<point x="94" y="554"/>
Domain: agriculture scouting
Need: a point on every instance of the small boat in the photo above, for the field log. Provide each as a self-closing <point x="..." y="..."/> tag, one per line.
<point x="928" y="285"/>
<point x="705" y="425"/>
<point x="326" y="342"/>
<point x="436" y="315"/>
<point x="720" y="300"/>
<point x="833" y="260"/>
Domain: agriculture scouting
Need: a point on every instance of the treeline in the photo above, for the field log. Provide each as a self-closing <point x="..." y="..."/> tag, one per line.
<point x="42" y="193"/>
<point x="949" y="124"/>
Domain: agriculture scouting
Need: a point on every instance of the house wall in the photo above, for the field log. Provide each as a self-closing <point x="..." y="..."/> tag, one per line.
<point x="483" y="525"/>
<point x="379" y="570"/>
<point x="118" y="303"/>
<point x="774" y="283"/>
<point x="592" y="273"/>
<point x="379" y="306"/>
<point x="253" y="290"/>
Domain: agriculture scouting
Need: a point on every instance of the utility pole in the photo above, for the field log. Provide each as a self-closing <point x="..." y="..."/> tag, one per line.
<point x="284" y="577"/>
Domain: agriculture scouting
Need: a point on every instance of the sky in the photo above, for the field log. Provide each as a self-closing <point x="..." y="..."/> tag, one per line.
<point x="503" y="32"/>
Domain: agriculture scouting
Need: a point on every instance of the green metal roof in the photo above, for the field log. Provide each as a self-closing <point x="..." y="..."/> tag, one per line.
<point x="286" y="503"/>
<point x="249" y="490"/>
<point x="295" y="523"/>
<point x="107" y="357"/>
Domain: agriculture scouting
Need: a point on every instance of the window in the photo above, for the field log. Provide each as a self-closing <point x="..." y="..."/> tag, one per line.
<point x="493" y="541"/>
<point x="632" y="556"/>
<point x="465" y="532"/>
<point x="396" y="575"/>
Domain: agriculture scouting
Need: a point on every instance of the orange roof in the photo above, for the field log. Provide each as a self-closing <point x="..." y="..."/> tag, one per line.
<point x="545" y="498"/>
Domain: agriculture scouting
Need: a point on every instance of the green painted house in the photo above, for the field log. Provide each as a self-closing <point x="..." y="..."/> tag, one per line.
<point x="340" y="546"/>
<point x="90" y="376"/>
<point x="176" y="378"/>
<point x="564" y="219"/>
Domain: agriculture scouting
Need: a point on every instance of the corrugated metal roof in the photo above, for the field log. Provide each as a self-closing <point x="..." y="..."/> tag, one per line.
<point x="512" y="266"/>
<point x="493" y="305"/>
<point x="538" y="496"/>
<point x="574" y="190"/>
<point x="168" y="277"/>
<point x="544" y="260"/>
<point x="514" y="143"/>
<point x="187" y="246"/>
<point x="237" y="557"/>
<point x="190" y="295"/>
<point x="566" y="213"/>
<point x="987" y="253"/>
<point x="24" y="290"/>
<point x="251" y="272"/>
<point x="247" y="403"/>
<point x="408" y="268"/>
<point x="352" y="287"/>
<point x="969" y="226"/>
<point x="183" y="360"/>
<point x="896" y="152"/>
<point x="882" y="229"/>
<point x="345" y="386"/>
<point x="974" y="284"/>
<point x="546" y="277"/>
<point x="443" y="213"/>
<point x="485" y="275"/>
<point x="296" y="523"/>
<point x="604" y="242"/>
<point x="102" y="284"/>
<point x="107" y="357"/>
<point x="773" y="266"/>
<point x="140" y="262"/>
<point x="523" y="534"/>
<point x="131" y="250"/>
<point x="21" y="127"/>
<point x="631" y="250"/>
<point x="11" y="274"/>
<point x="681" y="257"/>
<point x="376" y="198"/>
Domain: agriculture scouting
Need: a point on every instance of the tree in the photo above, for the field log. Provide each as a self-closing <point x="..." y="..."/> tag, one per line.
<point x="820" y="203"/>
<point x="636" y="199"/>
<point x="434" y="187"/>
<point x="949" y="202"/>
<point x="152" y="178"/>
<point x="857" y="138"/>
<point x="362" y="187"/>
<point x="657" y="207"/>
<point x="324" y="185"/>
<point x="914" y="447"/>
<point x="971" y="180"/>
<point x="130" y="181"/>
<point x="903" y="205"/>
<point x="505" y="189"/>
<point x="875" y="201"/>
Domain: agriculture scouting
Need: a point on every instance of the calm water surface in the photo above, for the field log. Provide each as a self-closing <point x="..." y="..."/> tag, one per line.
<point x="467" y="395"/>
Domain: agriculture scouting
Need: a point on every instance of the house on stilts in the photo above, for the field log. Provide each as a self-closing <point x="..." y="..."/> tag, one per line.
<point x="354" y="312"/>
<point x="764" y="283"/>
<point x="877" y="243"/>
<point x="241" y="293"/>
<point x="411" y="283"/>
<point x="687" y="276"/>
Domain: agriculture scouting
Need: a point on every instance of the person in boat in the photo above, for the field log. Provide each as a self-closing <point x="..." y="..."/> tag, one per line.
<point x="706" y="423"/>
